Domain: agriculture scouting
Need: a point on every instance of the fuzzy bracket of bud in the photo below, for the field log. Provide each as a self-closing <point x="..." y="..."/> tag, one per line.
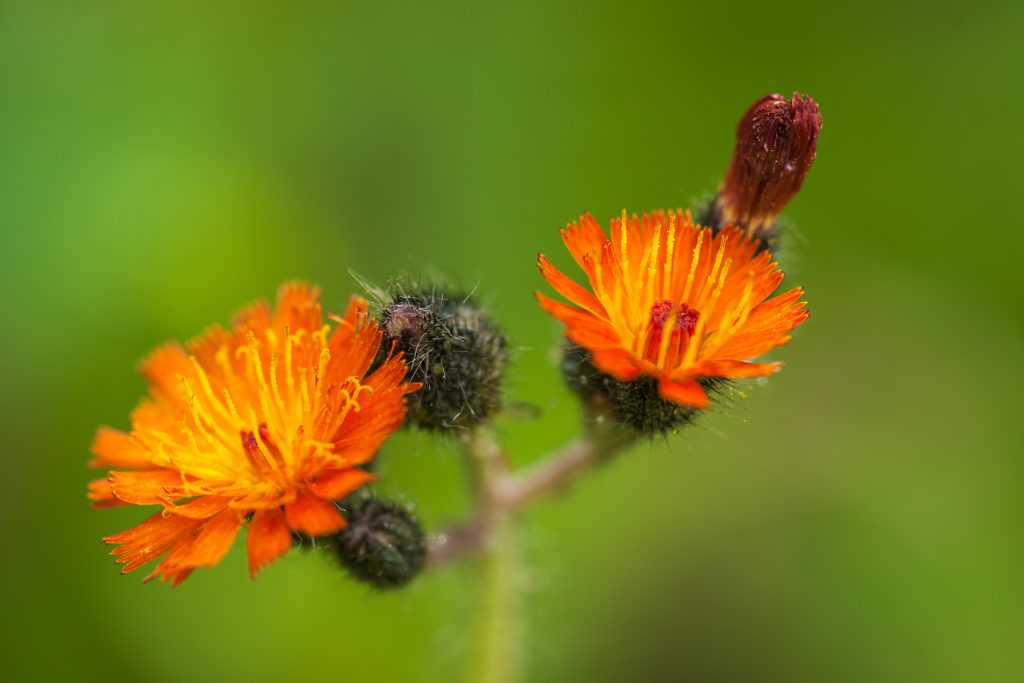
<point x="383" y="545"/>
<point x="454" y="350"/>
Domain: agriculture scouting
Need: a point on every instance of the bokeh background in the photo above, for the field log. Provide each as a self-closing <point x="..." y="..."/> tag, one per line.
<point x="858" y="518"/>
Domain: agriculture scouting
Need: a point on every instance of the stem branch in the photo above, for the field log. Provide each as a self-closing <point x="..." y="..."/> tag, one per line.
<point x="551" y="475"/>
<point x="498" y="496"/>
<point x="501" y="493"/>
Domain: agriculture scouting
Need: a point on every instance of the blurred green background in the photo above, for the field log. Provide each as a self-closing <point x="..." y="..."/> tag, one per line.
<point x="856" y="519"/>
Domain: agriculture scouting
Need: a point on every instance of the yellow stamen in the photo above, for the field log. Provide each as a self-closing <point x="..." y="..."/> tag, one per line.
<point x="200" y="417"/>
<point x="694" y="343"/>
<point x="718" y="289"/>
<point x="670" y="248"/>
<point x="321" y="375"/>
<point x="734" y="319"/>
<point x="623" y="239"/>
<point x="239" y="423"/>
<point x="744" y="305"/>
<point x="263" y="391"/>
<point x="288" y="378"/>
<point x="304" y="390"/>
<point x="718" y="259"/>
<point x="599" y="288"/>
<point x="264" y="450"/>
<point x="693" y="268"/>
<point x="204" y="382"/>
<point x="274" y="385"/>
<point x="652" y="268"/>
<point x="224" y="362"/>
<point x="666" y="334"/>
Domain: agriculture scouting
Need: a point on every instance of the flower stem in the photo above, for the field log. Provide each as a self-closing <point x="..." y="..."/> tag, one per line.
<point x="498" y="632"/>
<point x="499" y="496"/>
<point x="501" y="493"/>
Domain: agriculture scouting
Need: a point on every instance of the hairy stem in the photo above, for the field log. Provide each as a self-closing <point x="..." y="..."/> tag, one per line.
<point x="549" y="476"/>
<point x="497" y="637"/>
<point x="498" y="496"/>
<point x="500" y="492"/>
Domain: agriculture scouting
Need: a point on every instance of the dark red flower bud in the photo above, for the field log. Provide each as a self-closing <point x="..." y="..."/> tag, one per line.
<point x="775" y="145"/>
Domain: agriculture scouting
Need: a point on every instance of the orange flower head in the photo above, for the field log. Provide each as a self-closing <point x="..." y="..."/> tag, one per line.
<point x="261" y="425"/>
<point x="673" y="301"/>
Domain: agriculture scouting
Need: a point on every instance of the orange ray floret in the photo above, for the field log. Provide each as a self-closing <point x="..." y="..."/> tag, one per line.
<point x="673" y="301"/>
<point x="268" y="422"/>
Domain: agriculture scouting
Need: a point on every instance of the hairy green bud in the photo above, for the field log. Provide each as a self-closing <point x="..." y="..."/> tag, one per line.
<point x="384" y="544"/>
<point x="454" y="349"/>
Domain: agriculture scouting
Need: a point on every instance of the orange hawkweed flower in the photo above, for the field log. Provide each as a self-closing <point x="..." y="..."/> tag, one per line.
<point x="673" y="301"/>
<point x="271" y="418"/>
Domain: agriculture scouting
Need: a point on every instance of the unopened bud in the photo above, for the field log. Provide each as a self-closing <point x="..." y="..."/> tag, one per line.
<point x="775" y="146"/>
<point x="384" y="544"/>
<point x="454" y="350"/>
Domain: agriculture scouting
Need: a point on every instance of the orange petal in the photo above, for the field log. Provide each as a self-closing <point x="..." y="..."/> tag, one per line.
<point x="352" y="350"/>
<point x="685" y="392"/>
<point x="583" y="237"/>
<point x="102" y="496"/>
<point x="733" y="368"/>
<point x="177" y="577"/>
<point x="355" y="312"/>
<point x="298" y="307"/>
<point x="200" y="508"/>
<point x="618" y="363"/>
<point x="313" y="516"/>
<point x="255" y="318"/>
<point x="269" y="538"/>
<point x="206" y="348"/>
<point x="354" y="319"/>
<point x="150" y="539"/>
<point x="634" y="236"/>
<point x="569" y="289"/>
<point x="114" y="448"/>
<point x="163" y="369"/>
<point x="584" y="326"/>
<point x="362" y="433"/>
<point x="767" y="327"/>
<point x="203" y="548"/>
<point x="148" y="487"/>
<point x="336" y="484"/>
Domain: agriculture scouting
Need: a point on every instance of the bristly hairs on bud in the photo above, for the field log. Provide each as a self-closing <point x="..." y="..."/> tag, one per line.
<point x="776" y="141"/>
<point x="383" y="545"/>
<point x="452" y="347"/>
<point x="635" y="404"/>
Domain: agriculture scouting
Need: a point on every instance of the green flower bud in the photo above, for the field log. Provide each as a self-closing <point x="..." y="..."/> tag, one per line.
<point x="384" y="545"/>
<point x="454" y="349"/>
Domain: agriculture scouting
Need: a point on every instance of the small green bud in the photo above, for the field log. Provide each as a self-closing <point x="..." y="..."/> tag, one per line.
<point x="384" y="544"/>
<point x="454" y="349"/>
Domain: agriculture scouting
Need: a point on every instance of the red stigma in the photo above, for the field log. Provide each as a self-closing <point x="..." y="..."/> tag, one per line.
<point x="252" y="446"/>
<point x="686" y="317"/>
<point x="249" y="442"/>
